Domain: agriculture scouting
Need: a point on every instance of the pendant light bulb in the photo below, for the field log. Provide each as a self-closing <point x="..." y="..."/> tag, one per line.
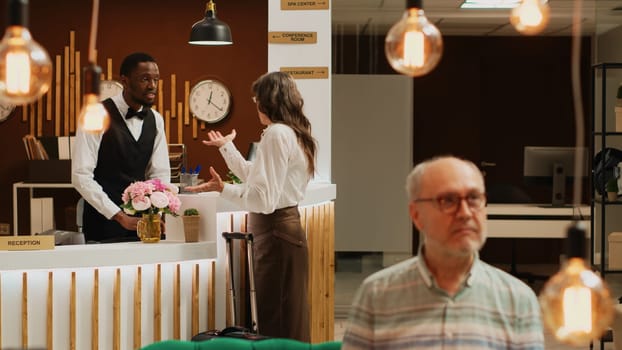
<point x="413" y="46"/>
<point x="25" y="66"/>
<point x="93" y="116"/>
<point x="577" y="307"/>
<point x="530" y="17"/>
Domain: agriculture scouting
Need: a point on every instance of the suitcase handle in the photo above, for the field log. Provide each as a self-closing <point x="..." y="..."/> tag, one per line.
<point x="248" y="237"/>
<point x="237" y="235"/>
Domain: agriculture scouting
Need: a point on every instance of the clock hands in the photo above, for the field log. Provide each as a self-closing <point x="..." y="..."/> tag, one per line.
<point x="219" y="108"/>
<point x="209" y="101"/>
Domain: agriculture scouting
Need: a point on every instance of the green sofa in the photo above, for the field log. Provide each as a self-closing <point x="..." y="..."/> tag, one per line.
<point x="241" y="344"/>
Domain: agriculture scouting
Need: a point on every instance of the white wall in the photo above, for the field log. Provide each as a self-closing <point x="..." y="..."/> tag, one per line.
<point x="372" y="154"/>
<point x="316" y="92"/>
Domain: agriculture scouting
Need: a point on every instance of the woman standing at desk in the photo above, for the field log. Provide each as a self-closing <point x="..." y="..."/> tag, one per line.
<point x="273" y="185"/>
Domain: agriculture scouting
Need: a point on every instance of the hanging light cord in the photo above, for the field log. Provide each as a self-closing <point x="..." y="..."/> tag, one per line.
<point x="93" y="33"/>
<point x="578" y="102"/>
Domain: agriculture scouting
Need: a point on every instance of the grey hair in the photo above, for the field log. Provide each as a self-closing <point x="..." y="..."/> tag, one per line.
<point x="413" y="180"/>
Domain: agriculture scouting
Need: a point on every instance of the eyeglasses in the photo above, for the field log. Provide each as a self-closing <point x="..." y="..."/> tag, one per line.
<point x="254" y="98"/>
<point x="449" y="203"/>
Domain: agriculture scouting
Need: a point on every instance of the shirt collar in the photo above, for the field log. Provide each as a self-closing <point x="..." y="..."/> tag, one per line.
<point x="122" y="106"/>
<point x="428" y="278"/>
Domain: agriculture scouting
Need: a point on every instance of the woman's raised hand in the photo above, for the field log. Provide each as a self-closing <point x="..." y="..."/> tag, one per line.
<point x="217" y="139"/>
<point x="214" y="184"/>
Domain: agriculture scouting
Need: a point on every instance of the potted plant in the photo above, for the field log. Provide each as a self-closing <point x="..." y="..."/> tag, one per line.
<point x="612" y="189"/>
<point x="191" y="220"/>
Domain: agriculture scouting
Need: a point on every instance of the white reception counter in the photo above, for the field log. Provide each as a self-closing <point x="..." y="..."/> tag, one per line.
<point x="127" y="295"/>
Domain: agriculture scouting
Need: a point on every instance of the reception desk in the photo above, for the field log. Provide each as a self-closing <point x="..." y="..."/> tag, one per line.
<point x="126" y="295"/>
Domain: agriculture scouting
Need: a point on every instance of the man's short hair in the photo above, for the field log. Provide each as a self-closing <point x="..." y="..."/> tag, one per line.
<point x="413" y="180"/>
<point x="131" y="61"/>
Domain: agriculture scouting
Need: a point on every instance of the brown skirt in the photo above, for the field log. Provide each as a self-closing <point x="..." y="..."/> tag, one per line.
<point x="281" y="274"/>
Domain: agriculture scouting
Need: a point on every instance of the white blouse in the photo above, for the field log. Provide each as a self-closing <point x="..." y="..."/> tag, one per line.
<point x="84" y="160"/>
<point x="277" y="177"/>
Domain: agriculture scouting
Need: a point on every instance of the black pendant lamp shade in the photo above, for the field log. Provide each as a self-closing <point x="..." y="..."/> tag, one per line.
<point x="210" y="30"/>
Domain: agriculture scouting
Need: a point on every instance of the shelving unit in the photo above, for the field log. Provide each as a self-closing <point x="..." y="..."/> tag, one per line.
<point x="177" y="158"/>
<point x="605" y="80"/>
<point x="604" y="90"/>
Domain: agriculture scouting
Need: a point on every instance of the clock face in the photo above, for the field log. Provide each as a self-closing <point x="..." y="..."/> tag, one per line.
<point x="210" y="101"/>
<point x="109" y="88"/>
<point x="5" y="110"/>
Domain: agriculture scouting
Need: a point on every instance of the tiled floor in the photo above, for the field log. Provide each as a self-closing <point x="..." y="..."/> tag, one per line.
<point x="353" y="268"/>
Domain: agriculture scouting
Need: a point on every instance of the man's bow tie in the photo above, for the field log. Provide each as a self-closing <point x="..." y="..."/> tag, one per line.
<point x="132" y="113"/>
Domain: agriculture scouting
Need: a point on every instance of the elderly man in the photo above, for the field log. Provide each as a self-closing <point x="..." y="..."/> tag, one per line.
<point x="445" y="297"/>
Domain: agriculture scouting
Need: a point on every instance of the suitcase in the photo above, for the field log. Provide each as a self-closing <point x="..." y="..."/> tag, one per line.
<point x="237" y="331"/>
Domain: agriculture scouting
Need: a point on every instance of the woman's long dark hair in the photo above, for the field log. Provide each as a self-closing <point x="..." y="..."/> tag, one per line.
<point x="279" y="99"/>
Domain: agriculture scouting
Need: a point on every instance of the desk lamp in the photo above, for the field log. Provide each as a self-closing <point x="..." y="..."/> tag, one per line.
<point x="576" y="304"/>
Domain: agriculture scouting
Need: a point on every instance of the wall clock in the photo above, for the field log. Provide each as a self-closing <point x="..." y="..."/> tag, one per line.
<point x="210" y="101"/>
<point x="5" y="110"/>
<point x="109" y="88"/>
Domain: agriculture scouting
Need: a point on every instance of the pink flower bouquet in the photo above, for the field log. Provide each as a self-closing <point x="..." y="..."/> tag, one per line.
<point x="150" y="197"/>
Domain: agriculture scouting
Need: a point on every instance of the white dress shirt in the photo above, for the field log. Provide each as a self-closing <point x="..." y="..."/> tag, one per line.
<point x="84" y="160"/>
<point x="277" y="177"/>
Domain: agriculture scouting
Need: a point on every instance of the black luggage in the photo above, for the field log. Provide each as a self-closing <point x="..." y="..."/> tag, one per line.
<point x="237" y="331"/>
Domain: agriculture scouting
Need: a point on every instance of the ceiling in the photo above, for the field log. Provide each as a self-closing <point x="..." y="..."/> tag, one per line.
<point x="377" y="16"/>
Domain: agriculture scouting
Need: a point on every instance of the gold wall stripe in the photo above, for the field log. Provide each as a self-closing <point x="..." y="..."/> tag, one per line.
<point x="185" y="103"/>
<point x="57" y="86"/>
<point x="25" y="310"/>
<point x="72" y="312"/>
<point x="95" y="312"/>
<point x="77" y="93"/>
<point x="48" y="104"/>
<point x="157" y="307"/>
<point x="195" y="299"/>
<point x="161" y="99"/>
<point x="116" y="312"/>
<point x="174" y="96"/>
<point x="109" y="69"/>
<point x="167" y="126"/>
<point x="137" y="308"/>
<point x="50" y="313"/>
<point x="211" y="296"/>
<point x="33" y="121"/>
<point x="72" y="80"/>
<point x="177" y="302"/>
<point x="65" y="112"/>
<point x="180" y="123"/>
<point x="39" y="117"/>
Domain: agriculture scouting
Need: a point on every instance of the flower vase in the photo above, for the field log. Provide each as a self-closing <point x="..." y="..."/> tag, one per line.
<point x="148" y="228"/>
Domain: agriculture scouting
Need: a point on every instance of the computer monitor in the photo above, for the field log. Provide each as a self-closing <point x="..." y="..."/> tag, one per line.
<point x="553" y="166"/>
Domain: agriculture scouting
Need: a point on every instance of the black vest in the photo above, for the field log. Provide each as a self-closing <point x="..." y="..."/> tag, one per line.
<point x="121" y="160"/>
